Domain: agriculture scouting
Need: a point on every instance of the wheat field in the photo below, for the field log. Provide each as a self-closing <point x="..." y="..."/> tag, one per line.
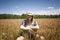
<point x="49" y="28"/>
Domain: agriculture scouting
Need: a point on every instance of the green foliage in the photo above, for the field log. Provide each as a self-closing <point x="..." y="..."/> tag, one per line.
<point x="47" y="16"/>
<point x="11" y="16"/>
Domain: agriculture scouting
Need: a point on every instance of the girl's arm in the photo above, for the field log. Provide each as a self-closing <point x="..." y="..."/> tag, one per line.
<point x="25" y="28"/>
<point x="22" y="26"/>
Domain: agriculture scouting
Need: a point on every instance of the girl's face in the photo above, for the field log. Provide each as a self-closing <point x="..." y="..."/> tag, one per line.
<point x="29" y="17"/>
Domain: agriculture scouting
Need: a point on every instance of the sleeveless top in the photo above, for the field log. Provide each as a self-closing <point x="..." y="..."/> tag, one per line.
<point x="34" y="23"/>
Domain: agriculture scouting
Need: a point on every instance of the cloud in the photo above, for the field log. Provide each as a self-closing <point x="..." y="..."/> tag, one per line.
<point x="15" y="10"/>
<point x="46" y="11"/>
<point x="50" y="11"/>
<point x="50" y="8"/>
<point x="16" y="7"/>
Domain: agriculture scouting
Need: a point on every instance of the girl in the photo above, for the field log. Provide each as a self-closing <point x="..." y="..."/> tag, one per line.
<point x="29" y="26"/>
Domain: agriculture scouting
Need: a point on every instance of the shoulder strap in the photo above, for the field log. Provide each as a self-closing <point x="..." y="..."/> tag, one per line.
<point x="35" y="23"/>
<point x="25" y="23"/>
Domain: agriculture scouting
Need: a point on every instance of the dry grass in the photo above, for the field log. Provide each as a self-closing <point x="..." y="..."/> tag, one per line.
<point x="49" y="28"/>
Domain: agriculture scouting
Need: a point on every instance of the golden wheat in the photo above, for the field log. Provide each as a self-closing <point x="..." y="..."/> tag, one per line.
<point x="49" y="28"/>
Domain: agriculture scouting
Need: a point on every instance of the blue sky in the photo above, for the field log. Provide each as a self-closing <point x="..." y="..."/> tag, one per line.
<point x="42" y="7"/>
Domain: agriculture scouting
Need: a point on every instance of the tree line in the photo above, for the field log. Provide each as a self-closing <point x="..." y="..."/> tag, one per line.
<point x="11" y="16"/>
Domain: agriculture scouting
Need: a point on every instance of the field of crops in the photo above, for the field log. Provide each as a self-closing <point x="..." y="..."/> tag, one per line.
<point x="49" y="28"/>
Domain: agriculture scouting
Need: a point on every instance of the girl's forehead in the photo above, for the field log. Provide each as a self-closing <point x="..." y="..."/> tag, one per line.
<point x="29" y="15"/>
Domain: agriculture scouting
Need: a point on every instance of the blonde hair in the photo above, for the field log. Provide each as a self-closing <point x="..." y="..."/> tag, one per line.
<point x="31" y="14"/>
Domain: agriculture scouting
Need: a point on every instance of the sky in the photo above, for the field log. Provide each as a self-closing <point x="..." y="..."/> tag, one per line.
<point x="40" y="7"/>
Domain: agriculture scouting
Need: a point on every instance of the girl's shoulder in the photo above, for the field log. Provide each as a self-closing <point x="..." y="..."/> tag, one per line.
<point x="24" y="20"/>
<point x="34" y="22"/>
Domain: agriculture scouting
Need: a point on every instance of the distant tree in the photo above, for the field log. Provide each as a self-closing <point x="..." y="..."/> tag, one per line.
<point x="23" y="16"/>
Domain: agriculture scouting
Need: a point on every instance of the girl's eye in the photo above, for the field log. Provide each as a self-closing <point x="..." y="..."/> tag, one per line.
<point x="30" y="16"/>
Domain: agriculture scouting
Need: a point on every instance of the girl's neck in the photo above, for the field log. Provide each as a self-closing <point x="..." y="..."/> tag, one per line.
<point x="29" y="21"/>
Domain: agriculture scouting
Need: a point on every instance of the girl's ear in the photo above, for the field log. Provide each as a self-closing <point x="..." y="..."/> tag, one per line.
<point x="25" y="21"/>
